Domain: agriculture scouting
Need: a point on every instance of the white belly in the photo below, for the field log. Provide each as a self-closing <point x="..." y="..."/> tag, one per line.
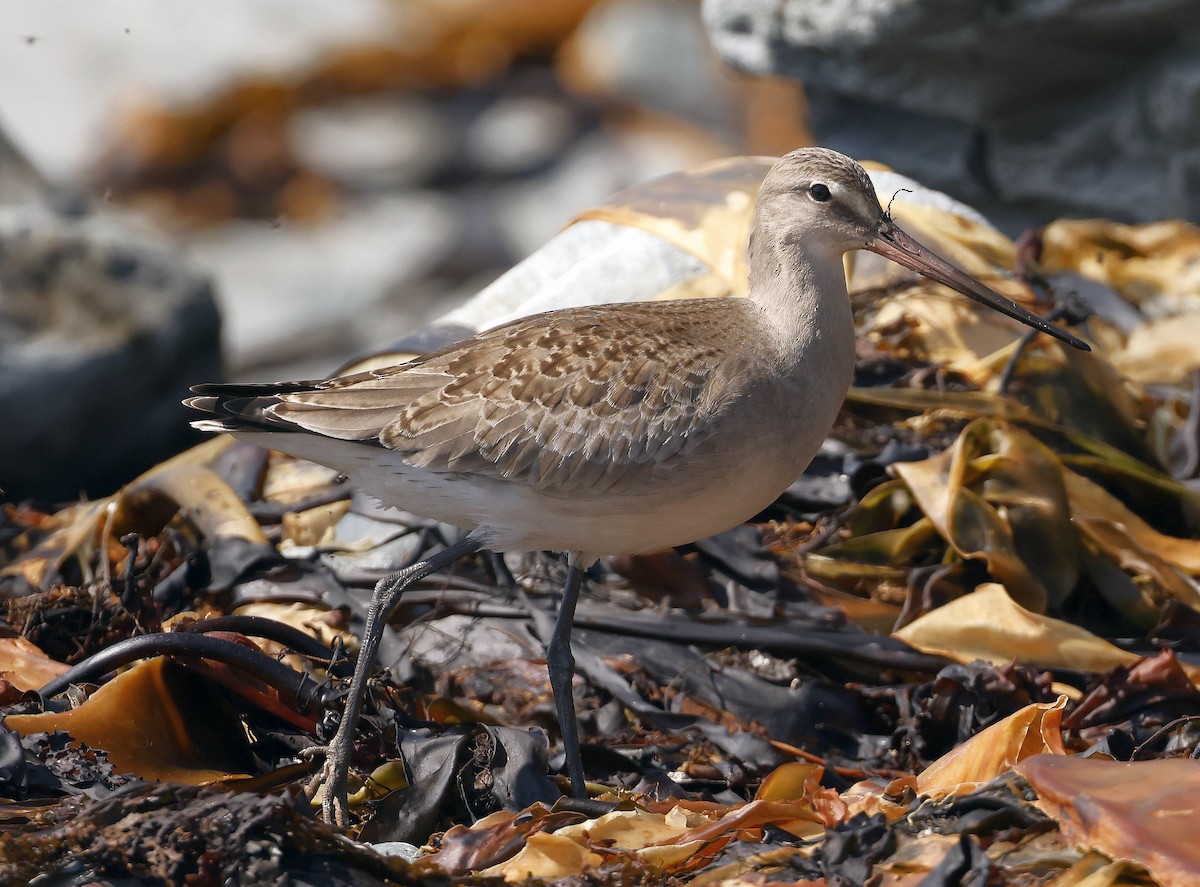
<point x="708" y="496"/>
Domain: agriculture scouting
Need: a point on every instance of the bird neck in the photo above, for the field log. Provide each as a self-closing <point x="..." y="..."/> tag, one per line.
<point x="801" y="287"/>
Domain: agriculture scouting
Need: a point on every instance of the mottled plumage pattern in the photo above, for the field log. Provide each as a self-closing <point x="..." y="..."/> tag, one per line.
<point x="600" y="395"/>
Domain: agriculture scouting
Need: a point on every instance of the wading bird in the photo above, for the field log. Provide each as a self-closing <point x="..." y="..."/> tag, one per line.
<point x="610" y="429"/>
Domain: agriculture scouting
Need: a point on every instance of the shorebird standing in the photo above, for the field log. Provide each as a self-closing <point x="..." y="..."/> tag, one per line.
<point x="612" y="429"/>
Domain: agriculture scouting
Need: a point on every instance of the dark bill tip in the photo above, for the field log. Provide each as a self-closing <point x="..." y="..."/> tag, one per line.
<point x="892" y="243"/>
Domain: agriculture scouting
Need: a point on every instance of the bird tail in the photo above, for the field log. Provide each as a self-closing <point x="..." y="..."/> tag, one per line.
<point x="242" y="407"/>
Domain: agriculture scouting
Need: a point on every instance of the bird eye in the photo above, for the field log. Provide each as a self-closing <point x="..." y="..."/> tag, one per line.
<point x="819" y="192"/>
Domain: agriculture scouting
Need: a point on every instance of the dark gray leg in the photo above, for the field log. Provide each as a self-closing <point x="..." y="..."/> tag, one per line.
<point x="335" y="808"/>
<point x="560" y="663"/>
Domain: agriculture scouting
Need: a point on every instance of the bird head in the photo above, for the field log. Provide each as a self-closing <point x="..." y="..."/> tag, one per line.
<point x="818" y="200"/>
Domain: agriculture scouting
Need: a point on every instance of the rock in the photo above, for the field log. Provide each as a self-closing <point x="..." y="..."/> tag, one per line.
<point x="653" y="54"/>
<point x="1028" y="109"/>
<point x="20" y="183"/>
<point x="519" y="134"/>
<point x="588" y="263"/>
<point x="292" y="292"/>
<point x="530" y="212"/>
<point x="374" y="143"/>
<point x="101" y="333"/>
<point x="401" y="849"/>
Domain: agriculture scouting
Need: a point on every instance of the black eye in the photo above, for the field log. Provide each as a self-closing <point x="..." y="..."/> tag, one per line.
<point x="819" y="192"/>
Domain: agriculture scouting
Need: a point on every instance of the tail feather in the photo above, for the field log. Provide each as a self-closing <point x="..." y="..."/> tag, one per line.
<point x="242" y="407"/>
<point x="255" y="389"/>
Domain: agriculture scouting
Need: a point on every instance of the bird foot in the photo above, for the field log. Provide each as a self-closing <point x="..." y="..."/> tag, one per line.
<point x="335" y="804"/>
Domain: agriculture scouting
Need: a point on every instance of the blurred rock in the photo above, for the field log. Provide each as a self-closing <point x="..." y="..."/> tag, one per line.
<point x="653" y="58"/>
<point x="292" y="292"/>
<point x="1029" y="109"/>
<point x="19" y="181"/>
<point x="384" y="142"/>
<point x="519" y="134"/>
<point x="595" y="167"/>
<point x="101" y="333"/>
<point x="588" y="263"/>
<point x="651" y="53"/>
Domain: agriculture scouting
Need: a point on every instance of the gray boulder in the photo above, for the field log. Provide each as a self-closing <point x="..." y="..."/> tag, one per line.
<point x="1029" y="109"/>
<point x="101" y="333"/>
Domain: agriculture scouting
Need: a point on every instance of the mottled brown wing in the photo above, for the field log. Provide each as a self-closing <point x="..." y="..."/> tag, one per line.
<point x="570" y="400"/>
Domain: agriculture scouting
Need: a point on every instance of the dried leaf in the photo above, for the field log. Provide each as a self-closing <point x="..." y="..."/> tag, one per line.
<point x="974" y="246"/>
<point x="25" y="666"/>
<point x="937" y="323"/>
<point x="960" y="404"/>
<point x="874" y="796"/>
<point x="545" y="856"/>
<point x="387" y="777"/>
<point x="789" y="782"/>
<point x="311" y="620"/>
<point x="1161" y="351"/>
<point x="998" y="494"/>
<point x="1131" y="542"/>
<point x="1145" y="811"/>
<point x="797" y="781"/>
<point x="75" y="536"/>
<point x="289" y="481"/>
<point x="913" y="862"/>
<point x="1097" y="870"/>
<point x="494" y="837"/>
<point x="1036" y="729"/>
<point x="1080" y="393"/>
<point x="1156" y="266"/>
<point x="157" y="721"/>
<point x="946" y="329"/>
<point x="1097" y="457"/>
<point x="313" y="526"/>
<point x="199" y="493"/>
<point x="633" y="829"/>
<point x="1153" y="691"/>
<point x="569" y="850"/>
<point x="820" y="809"/>
<point x="80" y="527"/>
<point x="671" y="841"/>
<point x="988" y="624"/>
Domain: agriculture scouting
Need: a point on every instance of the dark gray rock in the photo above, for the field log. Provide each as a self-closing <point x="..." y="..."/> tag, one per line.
<point x="1026" y="108"/>
<point x="101" y="333"/>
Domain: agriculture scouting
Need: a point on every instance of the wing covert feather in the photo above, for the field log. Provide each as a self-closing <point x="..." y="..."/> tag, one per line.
<point x="573" y="404"/>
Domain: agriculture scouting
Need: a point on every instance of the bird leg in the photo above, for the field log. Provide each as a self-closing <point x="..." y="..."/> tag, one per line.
<point x="560" y="663"/>
<point x="336" y="771"/>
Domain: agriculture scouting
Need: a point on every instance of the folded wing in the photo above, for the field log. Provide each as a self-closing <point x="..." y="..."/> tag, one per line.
<point x="576" y="403"/>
